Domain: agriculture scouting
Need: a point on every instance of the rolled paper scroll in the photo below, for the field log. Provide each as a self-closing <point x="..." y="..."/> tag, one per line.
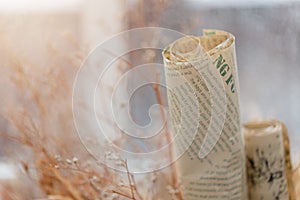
<point x="204" y="110"/>
<point x="268" y="161"/>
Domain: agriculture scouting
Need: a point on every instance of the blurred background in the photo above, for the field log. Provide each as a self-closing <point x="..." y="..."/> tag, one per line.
<point x="267" y="43"/>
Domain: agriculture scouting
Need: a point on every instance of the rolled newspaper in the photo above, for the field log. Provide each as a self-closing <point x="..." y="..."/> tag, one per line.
<point x="201" y="76"/>
<point x="268" y="160"/>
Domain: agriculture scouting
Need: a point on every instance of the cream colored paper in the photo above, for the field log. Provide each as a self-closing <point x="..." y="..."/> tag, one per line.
<point x="201" y="76"/>
<point x="268" y="161"/>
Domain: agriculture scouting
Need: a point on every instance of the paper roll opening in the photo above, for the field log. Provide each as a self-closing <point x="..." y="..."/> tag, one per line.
<point x="185" y="48"/>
